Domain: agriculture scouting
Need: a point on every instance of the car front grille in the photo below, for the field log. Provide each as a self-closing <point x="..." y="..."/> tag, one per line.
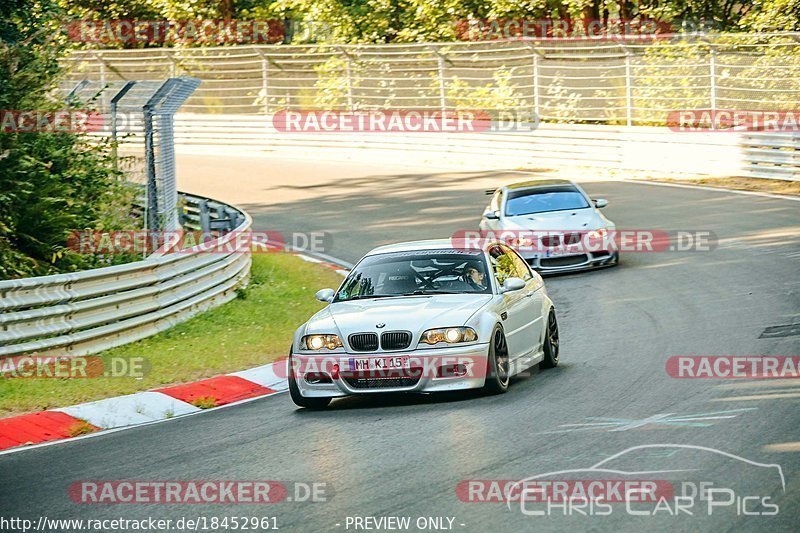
<point x="363" y="342"/>
<point x="395" y="340"/>
<point x="565" y="261"/>
<point x="380" y="383"/>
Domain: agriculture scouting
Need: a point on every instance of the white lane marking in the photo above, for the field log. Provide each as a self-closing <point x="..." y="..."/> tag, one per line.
<point x="661" y="419"/>
<point x="714" y="189"/>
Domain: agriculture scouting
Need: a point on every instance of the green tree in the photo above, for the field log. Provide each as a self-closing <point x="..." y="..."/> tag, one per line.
<point x="51" y="184"/>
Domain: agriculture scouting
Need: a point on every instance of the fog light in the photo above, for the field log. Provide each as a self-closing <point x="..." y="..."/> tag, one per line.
<point x="451" y="371"/>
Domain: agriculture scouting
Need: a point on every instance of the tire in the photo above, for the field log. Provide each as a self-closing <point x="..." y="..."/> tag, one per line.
<point x="551" y="342"/>
<point x="497" y="365"/>
<point x="299" y="399"/>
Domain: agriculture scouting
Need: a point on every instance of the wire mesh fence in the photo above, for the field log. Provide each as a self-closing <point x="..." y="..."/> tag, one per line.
<point x="610" y="82"/>
<point x="139" y="115"/>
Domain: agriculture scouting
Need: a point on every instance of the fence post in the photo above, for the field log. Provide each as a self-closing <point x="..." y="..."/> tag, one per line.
<point x="114" y="101"/>
<point x="712" y="66"/>
<point x="102" y="63"/>
<point x="349" y="74"/>
<point x="442" y="88"/>
<point x="264" y="80"/>
<point x="628" y="89"/>
<point x="536" y="109"/>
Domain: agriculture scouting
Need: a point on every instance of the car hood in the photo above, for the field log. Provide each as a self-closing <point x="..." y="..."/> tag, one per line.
<point x="570" y="220"/>
<point x="411" y="313"/>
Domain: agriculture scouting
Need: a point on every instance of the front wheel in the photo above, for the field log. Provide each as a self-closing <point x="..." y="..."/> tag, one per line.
<point x="299" y="399"/>
<point x="497" y="365"/>
<point x="551" y="341"/>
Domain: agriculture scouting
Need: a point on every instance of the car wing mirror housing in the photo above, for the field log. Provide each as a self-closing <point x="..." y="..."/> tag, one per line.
<point x="600" y="203"/>
<point x="512" y="284"/>
<point x="325" y="295"/>
<point x="492" y="215"/>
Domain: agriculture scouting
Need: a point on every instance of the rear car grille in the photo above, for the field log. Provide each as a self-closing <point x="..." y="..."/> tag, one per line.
<point x="569" y="260"/>
<point x="395" y="340"/>
<point x="363" y="342"/>
<point x="380" y="383"/>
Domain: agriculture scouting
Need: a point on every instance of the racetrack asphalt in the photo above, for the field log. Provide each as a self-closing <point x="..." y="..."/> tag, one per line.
<point x="405" y="455"/>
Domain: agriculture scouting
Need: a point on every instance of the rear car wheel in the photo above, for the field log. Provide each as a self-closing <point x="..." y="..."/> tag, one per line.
<point x="297" y="398"/>
<point x="551" y="342"/>
<point x="497" y="365"/>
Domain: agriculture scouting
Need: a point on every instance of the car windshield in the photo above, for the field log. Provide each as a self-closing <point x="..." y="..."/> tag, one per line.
<point x="543" y="200"/>
<point x="417" y="273"/>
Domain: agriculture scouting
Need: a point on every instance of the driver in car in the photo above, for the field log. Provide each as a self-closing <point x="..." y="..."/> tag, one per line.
<point x="475" y="278"/>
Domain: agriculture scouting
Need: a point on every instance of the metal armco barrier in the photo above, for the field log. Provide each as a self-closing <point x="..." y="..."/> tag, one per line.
<point x="772" y="155"/>
<point x="87" y="312"/>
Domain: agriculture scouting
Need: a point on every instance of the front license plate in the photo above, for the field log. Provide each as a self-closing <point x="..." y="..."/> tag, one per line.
<point x="378" y="363"/>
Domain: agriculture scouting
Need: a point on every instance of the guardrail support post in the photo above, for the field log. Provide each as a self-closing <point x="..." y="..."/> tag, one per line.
<point x="205" y="216"/>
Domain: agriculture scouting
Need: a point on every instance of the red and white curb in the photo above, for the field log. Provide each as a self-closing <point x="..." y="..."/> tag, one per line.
<point x="140" y="408"/>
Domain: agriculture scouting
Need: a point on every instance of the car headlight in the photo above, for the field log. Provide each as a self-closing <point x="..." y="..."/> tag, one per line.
<point x="598" y="233"/>
<point x="318" y="342"/>
<point x="449" y="335"/>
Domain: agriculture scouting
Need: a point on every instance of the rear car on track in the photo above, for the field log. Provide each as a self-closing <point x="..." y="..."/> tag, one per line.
<point x="553" y="224"/>
<point x="425" y="317"/>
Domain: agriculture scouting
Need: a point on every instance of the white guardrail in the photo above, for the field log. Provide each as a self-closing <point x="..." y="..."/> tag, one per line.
<point x="642" y="148"/>
<point x="90" y="311"/>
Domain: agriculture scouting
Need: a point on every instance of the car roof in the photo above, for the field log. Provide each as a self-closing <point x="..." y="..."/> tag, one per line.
<point x="411" y="246"/>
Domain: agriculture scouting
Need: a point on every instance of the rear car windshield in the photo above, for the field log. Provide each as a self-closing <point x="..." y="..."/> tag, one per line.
<point x="543" y="200"/>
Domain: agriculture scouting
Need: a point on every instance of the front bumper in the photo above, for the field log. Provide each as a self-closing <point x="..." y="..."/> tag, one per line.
<point x="344" y="384"/>
<point x="570" y="262"/>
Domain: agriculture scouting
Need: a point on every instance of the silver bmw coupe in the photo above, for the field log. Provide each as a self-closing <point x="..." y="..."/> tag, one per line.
<point x="423" y="317"/>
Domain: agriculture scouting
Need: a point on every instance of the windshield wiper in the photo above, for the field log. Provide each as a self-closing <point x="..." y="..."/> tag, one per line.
<point x="424" y="292"/>
<point x="368" y="296"/>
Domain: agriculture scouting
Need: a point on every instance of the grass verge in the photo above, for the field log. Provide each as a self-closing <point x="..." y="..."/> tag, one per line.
<point x="254" y="329"/>
<point x="742" y="184"/>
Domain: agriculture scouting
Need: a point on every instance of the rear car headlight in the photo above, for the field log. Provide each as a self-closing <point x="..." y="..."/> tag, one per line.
<point x="318" y="342"/>
<point x="449" y="335"/>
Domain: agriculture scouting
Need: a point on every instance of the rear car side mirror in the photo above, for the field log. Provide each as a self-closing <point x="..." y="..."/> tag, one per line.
<point x="325" y="295"/>
<point x="600" y="203"/>
<point x="512" y="284"/>
<point x="492" y="215"/>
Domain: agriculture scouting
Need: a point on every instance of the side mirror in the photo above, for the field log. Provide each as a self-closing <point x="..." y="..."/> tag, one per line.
<point x="325" y="295"/>
<point x="600" y="203"/>
<point x="492" y="215"/>
<point x="512" y="284"/>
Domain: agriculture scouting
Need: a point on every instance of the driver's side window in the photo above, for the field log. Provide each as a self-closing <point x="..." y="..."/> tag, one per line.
<point x="502" y="264"/>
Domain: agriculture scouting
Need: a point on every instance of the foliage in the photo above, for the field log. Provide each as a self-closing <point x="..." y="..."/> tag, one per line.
<point x="51" y="184"/>
<point x="383" y="21"/>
